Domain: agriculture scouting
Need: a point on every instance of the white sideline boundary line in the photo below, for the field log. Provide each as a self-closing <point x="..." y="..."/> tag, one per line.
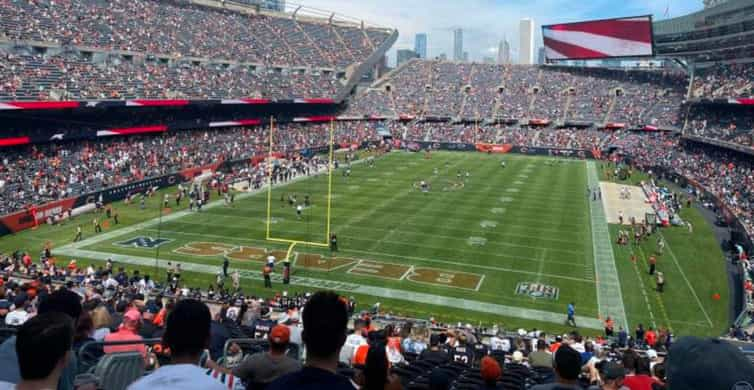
<point x="609" y="290"/>
<point x="683" y="274"/>
<point x="74" y="250"/>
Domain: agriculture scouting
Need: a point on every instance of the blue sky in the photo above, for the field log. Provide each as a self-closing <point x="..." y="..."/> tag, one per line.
<point x="486" y="22"/>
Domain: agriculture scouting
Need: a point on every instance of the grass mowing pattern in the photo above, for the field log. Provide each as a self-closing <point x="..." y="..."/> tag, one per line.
<point x="533" y="216"/>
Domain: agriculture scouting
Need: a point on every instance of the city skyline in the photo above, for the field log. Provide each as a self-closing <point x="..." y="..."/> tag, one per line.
<point x="486" y="22"/>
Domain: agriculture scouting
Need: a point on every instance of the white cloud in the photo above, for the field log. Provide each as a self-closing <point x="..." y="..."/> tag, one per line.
<point x="486" y="22"/>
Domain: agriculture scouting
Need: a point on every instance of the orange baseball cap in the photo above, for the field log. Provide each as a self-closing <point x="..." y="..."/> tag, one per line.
<point x="280" y="334"/>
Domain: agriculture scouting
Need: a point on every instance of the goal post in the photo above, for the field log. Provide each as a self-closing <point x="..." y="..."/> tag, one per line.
<point x="328" y="212"/>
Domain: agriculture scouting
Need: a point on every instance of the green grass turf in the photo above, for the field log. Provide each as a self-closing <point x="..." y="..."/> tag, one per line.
<point x="542" y="234"/>
<point x="697" y="256"/>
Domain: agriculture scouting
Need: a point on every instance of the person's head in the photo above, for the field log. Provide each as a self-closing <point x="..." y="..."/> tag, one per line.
<point x="101" y="317"/>
<point x="279" y="337"/>
<point x="642" y="366"/>
<point x="61" y="301"/>
<point x="43" y="344"/>
<point x="490" y="370"/>
<point x="630" y="359"/>
<point x="132" y="320"/>
<point x="567" y="363"/>
<point x="541" y="345"/>
<point x="84" y="327"/>
<point x="376" y="368"/>
<point x="325" y="319"/>
<point x="187" y="330"/>
<point x="696" y="364"/>
<point x="613" y="375"/>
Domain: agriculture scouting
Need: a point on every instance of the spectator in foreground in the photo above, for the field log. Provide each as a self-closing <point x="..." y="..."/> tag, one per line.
<point x="567" y="369"/>
<point x="491" y="372"/>
<point x="434" y="353"/>
<point x="128" y="331"/>
<point x="19" y="315"/>
<point x="701" y="364"/>
<point x="187" y="336"/>
<point x="60" y="301"/>
<point x="264" y="367"/>
<point x="612" y="378"/>
<point x="43" y="347"/>
<point x="325" y="321"/>
<point x="377" y="371"/>
<point x="541" y="357"/>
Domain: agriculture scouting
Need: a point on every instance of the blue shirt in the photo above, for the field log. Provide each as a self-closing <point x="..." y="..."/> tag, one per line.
<point x="311" y="378"/>
<point x="571" y="310"/>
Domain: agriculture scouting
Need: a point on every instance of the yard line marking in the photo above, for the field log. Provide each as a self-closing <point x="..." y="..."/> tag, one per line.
<point x="357" y="238"/>
<point x="683" y="274"/>
<point x="609" y="294"/>
<point x="534" y="228"/>
<point x="380" y="292"/>
<point x="383" y="254"/>
<point x="479" y="284"/>
<point x="384" y="239"/>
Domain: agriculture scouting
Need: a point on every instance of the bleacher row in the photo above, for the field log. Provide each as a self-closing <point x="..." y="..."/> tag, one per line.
<point x="170" y="28"/>
<point x="457" y="90"/>
<point x="36" y="77"/>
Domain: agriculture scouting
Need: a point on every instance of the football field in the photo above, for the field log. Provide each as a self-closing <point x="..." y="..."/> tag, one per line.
<point x="514" y="243"/>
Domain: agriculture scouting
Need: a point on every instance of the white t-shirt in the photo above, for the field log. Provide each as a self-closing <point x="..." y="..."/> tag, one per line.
<point x="500" y="344"/>
<point x="16" y="318"/>
<point x="178" y="376"/>
<point x="353" y="341"/>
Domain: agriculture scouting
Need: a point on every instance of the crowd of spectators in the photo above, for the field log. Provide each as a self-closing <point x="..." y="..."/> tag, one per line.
<point x="733" y="126"/>
<point x="724" y="81"/>
<point x="170" y="28"/>
<point x="372" y="102"/>
<point x="192" y="339"/>
<point x="531" y="92"/>
<point x="38" y="174"/>
<point x="36" y="77"/>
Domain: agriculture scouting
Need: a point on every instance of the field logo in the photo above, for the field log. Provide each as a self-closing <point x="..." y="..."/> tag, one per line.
<point x="537" y="290"/>
<point x="143" y="242"/>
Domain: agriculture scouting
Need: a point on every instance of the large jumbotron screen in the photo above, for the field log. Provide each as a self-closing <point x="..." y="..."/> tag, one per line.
<point x="621" y="37"/>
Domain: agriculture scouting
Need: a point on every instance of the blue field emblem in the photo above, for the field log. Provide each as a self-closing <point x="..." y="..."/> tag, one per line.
<point x="143" y="242"/>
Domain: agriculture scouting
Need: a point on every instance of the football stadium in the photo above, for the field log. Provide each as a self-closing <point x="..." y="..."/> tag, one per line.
<point x="249" y="194"/>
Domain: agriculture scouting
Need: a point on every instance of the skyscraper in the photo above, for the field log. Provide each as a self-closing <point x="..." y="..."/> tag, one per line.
<point x="420" y="45"/>
<point x="458" y="44"/>
<point x="526" y="42"/>
<point x="541" y="56"/>
<point x="504" y="52"/>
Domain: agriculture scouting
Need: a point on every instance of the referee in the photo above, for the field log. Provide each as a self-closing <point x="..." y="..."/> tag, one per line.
<point x="333" y="243"/>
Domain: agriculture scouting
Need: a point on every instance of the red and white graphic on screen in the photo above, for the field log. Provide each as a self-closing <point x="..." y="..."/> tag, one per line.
<point x="628" y="37"/>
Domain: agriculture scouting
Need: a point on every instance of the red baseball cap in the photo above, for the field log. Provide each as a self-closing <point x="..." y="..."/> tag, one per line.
<point x="280" y="334"/>
<point x="490" y="369"/>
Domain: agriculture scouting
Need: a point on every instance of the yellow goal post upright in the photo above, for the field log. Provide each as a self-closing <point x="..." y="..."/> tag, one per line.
<point x="330" y="167"/>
